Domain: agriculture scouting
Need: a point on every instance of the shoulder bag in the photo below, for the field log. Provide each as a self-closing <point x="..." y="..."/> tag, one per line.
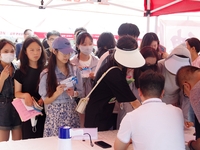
<point x="83" y="101"/>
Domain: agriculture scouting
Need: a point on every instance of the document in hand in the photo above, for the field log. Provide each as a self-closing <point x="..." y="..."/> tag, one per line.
<point x="36" y="106"/>
<point x="24" y="113"/>
<point x="69" y="82"/>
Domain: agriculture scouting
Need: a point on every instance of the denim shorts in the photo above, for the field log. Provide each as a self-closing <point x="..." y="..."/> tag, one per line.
<point x="9" y="118"/>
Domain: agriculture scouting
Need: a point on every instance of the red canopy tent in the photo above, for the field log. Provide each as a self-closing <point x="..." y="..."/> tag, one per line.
<point x="163" y="7"/>
<point x="151" y="7"/>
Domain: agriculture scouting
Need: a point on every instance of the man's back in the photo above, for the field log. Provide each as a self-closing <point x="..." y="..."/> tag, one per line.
<point x="154" y="126"/>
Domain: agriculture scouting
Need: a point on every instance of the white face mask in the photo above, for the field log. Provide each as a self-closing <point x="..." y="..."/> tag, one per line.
<point x="7" y="57"/>
<point x="86" y="49"/>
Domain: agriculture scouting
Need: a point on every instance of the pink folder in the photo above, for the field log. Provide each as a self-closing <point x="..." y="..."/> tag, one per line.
<point x="22" y="111"/>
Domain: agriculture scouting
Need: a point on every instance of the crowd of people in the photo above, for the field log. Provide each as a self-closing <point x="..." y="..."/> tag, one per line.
<point x="150" y="96"/>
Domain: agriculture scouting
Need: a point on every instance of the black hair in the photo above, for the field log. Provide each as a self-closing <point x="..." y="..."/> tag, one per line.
<point x="81" y="38"/>
<point x="80" y="29"/>
<point x="27" y="30"/>
<point x="148" y="38"/>
<point x="3" y="42"/>
<point x="146" y="52"/>
<point x="45" y="44"/>
<point x="24" y="60"/>
<point x="53" y="32"/>
<point x="151" y="84"/>
<point x="105" y="42"/>
<point x="194" y="42"/>
<point x="127" y="42"/>
<point x="128" y="29"/>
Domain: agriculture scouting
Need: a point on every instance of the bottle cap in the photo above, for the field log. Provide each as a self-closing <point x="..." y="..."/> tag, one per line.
<point x="64" y="132"/>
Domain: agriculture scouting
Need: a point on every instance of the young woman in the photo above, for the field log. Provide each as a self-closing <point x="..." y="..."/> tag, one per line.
<point x="105" y="42"/>
<point x="59" y="98"/>
<point x="32" y="62"/>
<point x="193" y="45"/>
<point x="9" y="118"/>
<point x="151" y="39"/>
<point x="114" y="85"/>
<point x="151" y="59"/>
<point x="84" y="60"/>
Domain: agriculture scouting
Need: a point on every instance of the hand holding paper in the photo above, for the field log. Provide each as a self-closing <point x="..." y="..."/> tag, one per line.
<point x="24" y="112"/>
<point x="69" y="82"/>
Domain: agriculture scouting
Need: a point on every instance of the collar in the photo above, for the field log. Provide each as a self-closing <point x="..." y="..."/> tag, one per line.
<point x="57" y="70"/>
<point x="151" y="100"/>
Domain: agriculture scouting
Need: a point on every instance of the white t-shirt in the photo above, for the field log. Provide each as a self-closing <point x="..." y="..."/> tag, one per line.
<point x="100" y="62"/>
<point x="153" y="126"/>
<point x="86" y="63"/>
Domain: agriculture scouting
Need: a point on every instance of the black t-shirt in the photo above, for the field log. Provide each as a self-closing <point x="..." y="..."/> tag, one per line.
<point x="99" y="108"/>
<point x="29" y="81"/>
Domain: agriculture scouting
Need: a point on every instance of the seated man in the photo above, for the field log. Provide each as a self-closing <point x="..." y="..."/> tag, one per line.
<point x="154" y="125"/>
<point x="188" y="78"/>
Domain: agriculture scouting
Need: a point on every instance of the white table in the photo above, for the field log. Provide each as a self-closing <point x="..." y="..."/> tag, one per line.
<point x="51" y="143"/>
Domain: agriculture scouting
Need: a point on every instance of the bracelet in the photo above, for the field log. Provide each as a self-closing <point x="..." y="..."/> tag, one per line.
<point x="190" y="145"/>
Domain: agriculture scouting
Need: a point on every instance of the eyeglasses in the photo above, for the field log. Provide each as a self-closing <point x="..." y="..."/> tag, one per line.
<point x="51" y="39"/>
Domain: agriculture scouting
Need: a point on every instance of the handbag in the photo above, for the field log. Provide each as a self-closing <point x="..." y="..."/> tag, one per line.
<point x="83" y="101"/>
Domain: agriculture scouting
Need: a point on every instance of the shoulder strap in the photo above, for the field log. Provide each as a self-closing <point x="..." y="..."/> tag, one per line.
<point x="103" y="75"/>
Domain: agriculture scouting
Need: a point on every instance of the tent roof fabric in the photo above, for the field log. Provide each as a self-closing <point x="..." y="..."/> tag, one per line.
<point x="163" y="7"/>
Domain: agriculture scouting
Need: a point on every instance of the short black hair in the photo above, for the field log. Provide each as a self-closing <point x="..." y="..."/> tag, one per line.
<point x="194" y="42"/>
<point x="127" y="43"/>
<point x="27" y="30"/>
<point x="80" y="29"/>
<point x="151" y="84"/>
<point x="53" y="32"/>
<point x="128" y="29"/>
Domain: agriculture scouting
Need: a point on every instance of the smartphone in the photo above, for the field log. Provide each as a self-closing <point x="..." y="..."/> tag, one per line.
<point x="102" y="144"/>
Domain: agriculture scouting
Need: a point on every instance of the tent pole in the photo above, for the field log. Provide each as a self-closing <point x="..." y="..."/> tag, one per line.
<point x="148" y="14"/>
<point x="148" y="22"/>
<point x="156" y="24"/>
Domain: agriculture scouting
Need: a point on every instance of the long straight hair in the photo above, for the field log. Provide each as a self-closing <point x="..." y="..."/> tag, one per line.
<point x="52" y="81"/>
<point x="24" y="60"/>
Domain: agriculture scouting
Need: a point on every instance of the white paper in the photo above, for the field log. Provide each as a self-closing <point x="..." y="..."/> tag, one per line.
<point x="85" y="73"/>
<point x="189" y="134"/>
<point x="27" y="107"/>
<point x="68" y="83"/>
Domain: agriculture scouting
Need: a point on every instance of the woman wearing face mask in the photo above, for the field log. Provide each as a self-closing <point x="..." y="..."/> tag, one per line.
<point x="9" y="118"/>
<point x="85" y="61"/>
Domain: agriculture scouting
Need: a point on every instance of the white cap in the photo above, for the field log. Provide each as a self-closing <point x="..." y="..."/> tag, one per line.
<point x="173" y="63"/>
<point x="129" y="58"/>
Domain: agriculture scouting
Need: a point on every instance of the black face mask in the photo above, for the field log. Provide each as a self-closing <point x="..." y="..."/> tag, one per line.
<point x="145" y="67"/>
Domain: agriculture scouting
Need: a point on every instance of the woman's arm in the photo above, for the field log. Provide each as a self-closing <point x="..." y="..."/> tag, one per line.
<point x="3" y="76"/>
<point x="59" y="91"/>
<point x="79" y="87"/>
<point x="135" y="104"/>
<point x="19" y="94"/>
